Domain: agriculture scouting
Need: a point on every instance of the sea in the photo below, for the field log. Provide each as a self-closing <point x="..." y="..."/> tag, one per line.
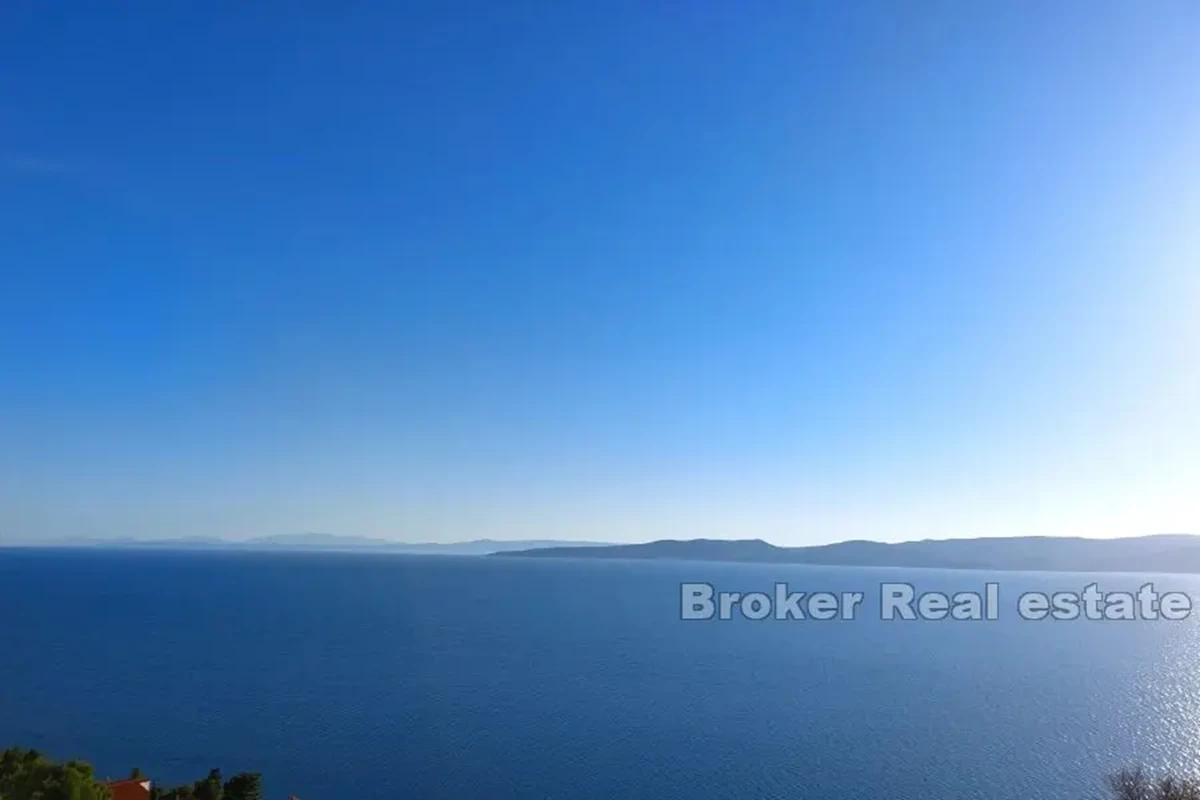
<point x="375" y="677"/>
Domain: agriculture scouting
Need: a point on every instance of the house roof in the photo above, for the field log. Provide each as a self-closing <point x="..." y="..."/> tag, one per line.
<point x="130" y="789"/>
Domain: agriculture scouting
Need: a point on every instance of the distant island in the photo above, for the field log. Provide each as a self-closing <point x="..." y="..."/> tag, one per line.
<point x="310" y="542"/>
<point x="1174" y="553"/>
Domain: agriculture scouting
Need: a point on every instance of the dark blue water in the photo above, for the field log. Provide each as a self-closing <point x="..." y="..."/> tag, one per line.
<point x="359" y="676"/>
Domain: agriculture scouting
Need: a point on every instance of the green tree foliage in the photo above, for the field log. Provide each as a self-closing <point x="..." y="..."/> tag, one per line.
<point x="244" y="786"/>
<point x="28" y="775"/>
<point x="1136" y="784"/>
<point x="210" y="788"/>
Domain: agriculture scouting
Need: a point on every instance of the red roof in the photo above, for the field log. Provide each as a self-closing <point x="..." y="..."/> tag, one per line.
<point x="130" y="789"/>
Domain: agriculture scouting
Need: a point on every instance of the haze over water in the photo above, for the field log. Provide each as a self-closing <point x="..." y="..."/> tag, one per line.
<point x="614" y="271"/>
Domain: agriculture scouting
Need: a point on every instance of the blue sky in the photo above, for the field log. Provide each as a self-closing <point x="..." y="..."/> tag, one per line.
<point x="804" y="271"/>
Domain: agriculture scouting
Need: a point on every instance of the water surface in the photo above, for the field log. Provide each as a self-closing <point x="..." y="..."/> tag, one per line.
<point x="380" y="677"/>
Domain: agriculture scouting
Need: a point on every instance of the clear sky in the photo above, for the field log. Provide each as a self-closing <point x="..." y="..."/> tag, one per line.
<point x="804" y="271"/>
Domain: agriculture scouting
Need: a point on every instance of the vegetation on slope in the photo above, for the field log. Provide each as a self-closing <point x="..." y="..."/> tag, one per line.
<point x="28" y="775"/>
<point x="243" y="786"/>
<point x="1136" y="784"/>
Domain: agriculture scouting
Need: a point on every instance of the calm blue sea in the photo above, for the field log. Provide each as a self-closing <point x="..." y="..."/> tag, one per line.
<point x="379" y="677"/>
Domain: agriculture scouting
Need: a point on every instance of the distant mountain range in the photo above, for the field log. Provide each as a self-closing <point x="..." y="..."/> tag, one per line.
<point x="1164" y="553"/>
<point x="315" y="541"/>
